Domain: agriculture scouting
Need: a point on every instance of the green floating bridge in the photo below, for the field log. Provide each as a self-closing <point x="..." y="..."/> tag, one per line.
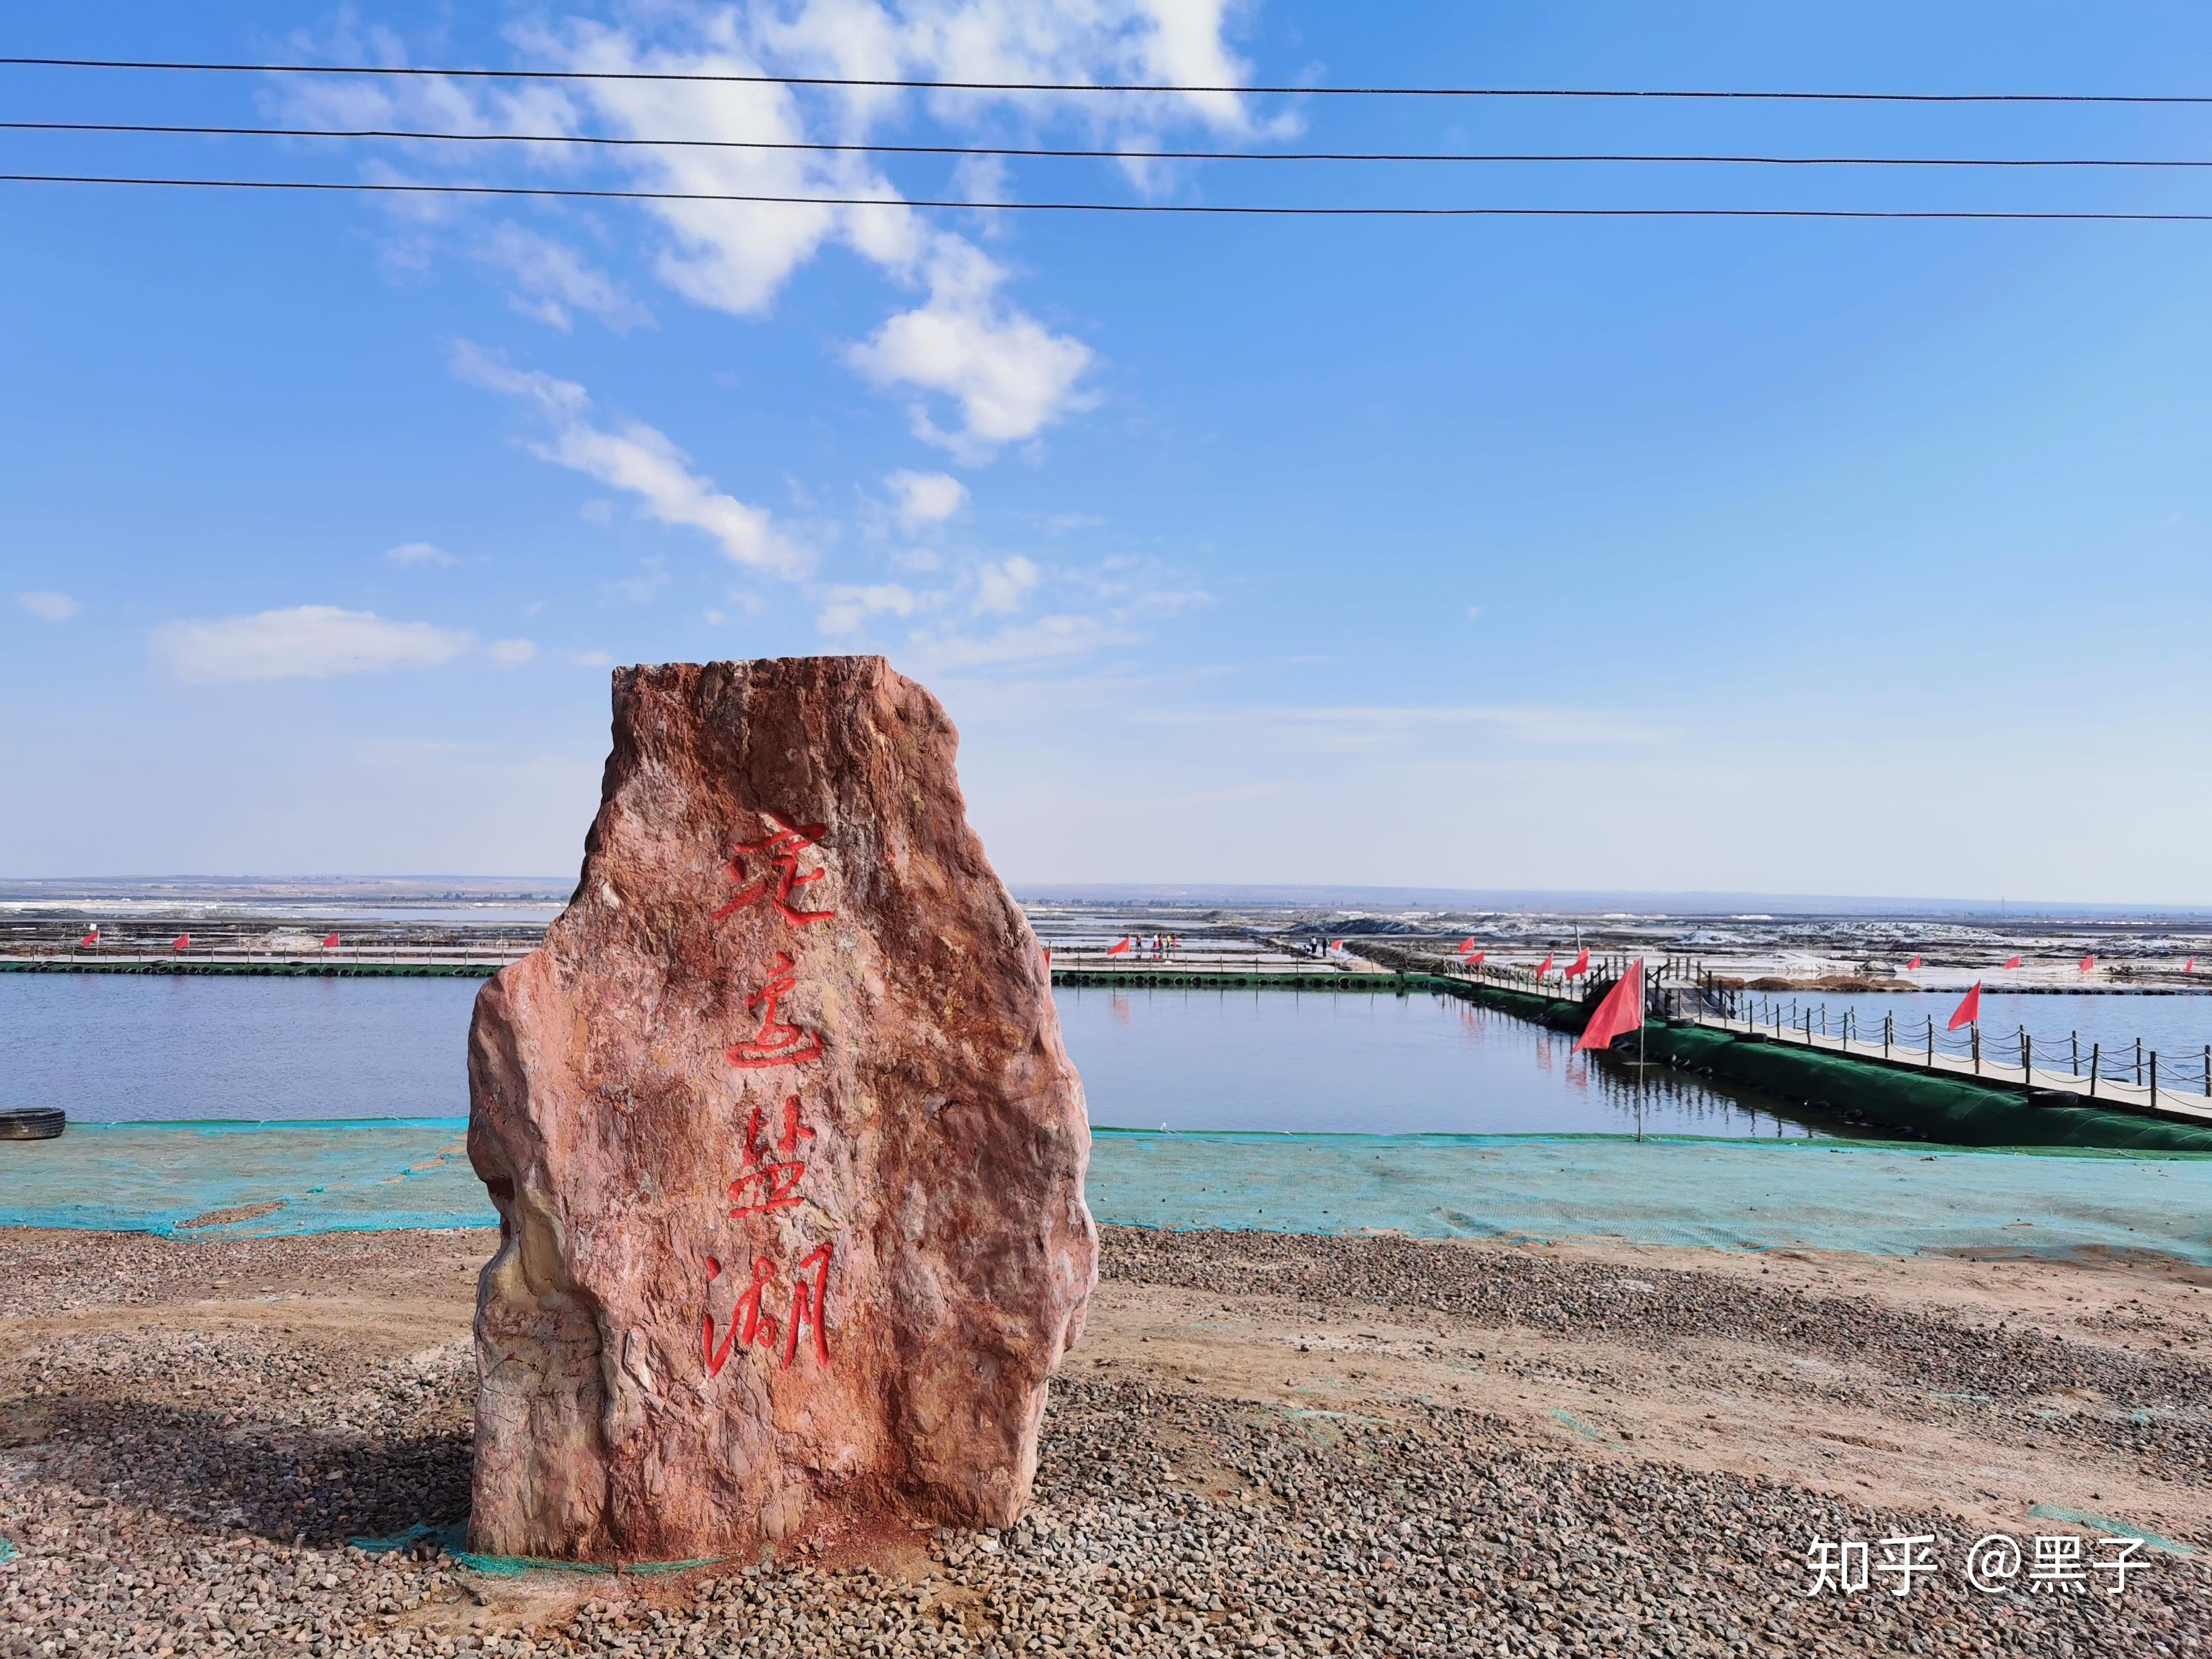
<point x="1896" y="1091"/>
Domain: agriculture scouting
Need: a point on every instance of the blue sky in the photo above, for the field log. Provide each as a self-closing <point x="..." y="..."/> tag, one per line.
<point x="1744" y="555"/>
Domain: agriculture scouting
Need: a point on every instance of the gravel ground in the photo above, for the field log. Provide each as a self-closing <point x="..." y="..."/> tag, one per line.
<point x="1985" y="1373"/>
<point x="188" y="1486"/>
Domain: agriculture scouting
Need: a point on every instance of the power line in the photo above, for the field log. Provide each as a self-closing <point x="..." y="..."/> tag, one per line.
<point x="1097" y="87"/>
<point x="361" y="187"/>
<point x="1088" y="155"/>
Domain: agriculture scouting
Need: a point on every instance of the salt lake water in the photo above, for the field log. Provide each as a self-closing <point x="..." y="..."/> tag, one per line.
<point x="113" y="1048"/>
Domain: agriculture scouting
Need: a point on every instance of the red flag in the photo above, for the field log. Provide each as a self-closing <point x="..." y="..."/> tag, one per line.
<point x="2189" y="966"/>
<point x="92" y="937"/>
<point x="1336" y="945"/>
<point x="2012" y="962"/>
<point x="1970" y="1010"/>
<point x="1477" y="957"/>
<point x="330" y="943"/>
<point x="181" y="942"/>
<point x="1621" y="1012"/>
<point x="1544" y="968"/>
<point x="1120" y="950"/>
<point x="1579" y="965"/>
<point x="1911" y="965"/>
<point x="1467" y="948"/>
<point x="2087" y="963"/>
<point x="1048" y="956"/>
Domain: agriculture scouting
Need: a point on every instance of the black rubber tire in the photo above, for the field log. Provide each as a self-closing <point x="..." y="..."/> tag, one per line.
<point x="32" y="1123"/>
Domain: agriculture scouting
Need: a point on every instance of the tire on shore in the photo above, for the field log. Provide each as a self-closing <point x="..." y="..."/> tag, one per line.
<point x="32" y="1123"/>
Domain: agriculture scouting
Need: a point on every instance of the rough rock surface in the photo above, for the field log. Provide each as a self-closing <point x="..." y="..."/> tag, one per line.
<point x="787" y="1152"/>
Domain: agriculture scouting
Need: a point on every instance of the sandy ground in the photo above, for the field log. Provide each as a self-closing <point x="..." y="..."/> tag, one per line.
<point x="1264" y="1445"/>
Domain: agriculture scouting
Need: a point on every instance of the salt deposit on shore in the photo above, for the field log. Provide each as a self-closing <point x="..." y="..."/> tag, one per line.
<point x="1266" y="1445"/>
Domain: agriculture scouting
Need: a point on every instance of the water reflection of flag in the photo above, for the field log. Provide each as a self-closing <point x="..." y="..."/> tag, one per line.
<point x="1621" y="1012"/>
<point x="1969" y="1010"/>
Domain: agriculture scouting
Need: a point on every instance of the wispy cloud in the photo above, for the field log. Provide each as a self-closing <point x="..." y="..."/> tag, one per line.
<point x="1043" y="638"/>
<point x="845" y="610"/>
<point x="1000" y="588"/>
<point x="1009" y="376"/>
<point x="1353" y="727"/>
<point x="48" y="607"/>
<point x="414" y="553"/>
<point x="308" y="641"/>
<point x="925" y="498"/>
<point x="1005" y="375"/>
<point x="511" y="654"/>
<point x="632" y="456"/>
<point x="552" y="280"/>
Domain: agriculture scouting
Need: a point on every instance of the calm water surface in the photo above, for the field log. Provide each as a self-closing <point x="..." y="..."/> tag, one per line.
<point x="109" y="1047"/>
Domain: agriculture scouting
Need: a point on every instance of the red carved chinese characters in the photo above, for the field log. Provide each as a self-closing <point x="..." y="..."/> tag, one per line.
<point x="782" y="847"/>
<point x="777" y="1043"/>
<point x="763" y="1184"/>
<point x="806" y="1305"/>
<point x="759" y="1328"/>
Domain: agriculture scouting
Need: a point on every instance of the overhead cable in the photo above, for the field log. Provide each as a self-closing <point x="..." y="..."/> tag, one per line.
<point x="895" y="83"/>
<point x="601" y="140"/>
<point x="365" y="187"/>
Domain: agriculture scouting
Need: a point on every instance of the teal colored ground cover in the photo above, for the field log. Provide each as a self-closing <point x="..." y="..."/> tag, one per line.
<point x="1891" y="1200"/>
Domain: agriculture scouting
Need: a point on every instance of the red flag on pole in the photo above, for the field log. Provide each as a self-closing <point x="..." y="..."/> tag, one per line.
<point x="330" y="943"/>
<point x="1475" y="960"/>
<point x="1120" y="950"/>
<point x="1048" y="956"/>
<point x="1620" y="1013"/>
<point x="2087" y="963"/>
<point x="181" y="942"/>
<point x="1579" y="965"/>
<point x="1970" y="1010"/>
<point x="2012" y="962"/>
<point x="1912" y="966"/>
<point x="1336" y="945"/>
<point x="1467" y="948"/>
<point x="92" y="937"/>
<point x="2189" y="966"/>
<point x="1544" y="968"/>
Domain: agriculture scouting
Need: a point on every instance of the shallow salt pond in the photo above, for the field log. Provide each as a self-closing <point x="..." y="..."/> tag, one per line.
<point x="110" y="1048"/>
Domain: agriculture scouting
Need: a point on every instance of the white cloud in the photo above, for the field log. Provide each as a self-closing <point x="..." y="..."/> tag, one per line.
<point x="1473" y="611"/>
<point x="926" y="497"/>
<point x="589" y="658"/>
<point x="1048" y="636"/>
<point x="1366" y="727"/>
<point x="634" y="457"/>
<point x="308" y="641"/>
<point x="412" y="553"/>
<point x="511" y="654"/>
<point x="999" y="587"/>
<point x="1010" y="375"/>
<point x="48" y="607"/>
<point x="551" y="280"/>
<point x="847" y="610"/>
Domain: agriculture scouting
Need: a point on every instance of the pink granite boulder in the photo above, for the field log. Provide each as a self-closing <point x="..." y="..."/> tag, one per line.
<point x="787" y="1153"/>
